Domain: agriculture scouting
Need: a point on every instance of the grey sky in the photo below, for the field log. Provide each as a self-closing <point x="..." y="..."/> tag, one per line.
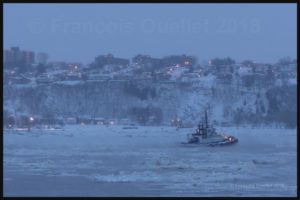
<point x="79" y="32"/>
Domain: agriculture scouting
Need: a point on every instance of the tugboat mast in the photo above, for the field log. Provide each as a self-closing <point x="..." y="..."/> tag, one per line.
<point x="206" y="119"/>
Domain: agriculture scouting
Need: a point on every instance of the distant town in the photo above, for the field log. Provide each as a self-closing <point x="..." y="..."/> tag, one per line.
<point x="144" y="78"/>
<point x="24" y="67"/>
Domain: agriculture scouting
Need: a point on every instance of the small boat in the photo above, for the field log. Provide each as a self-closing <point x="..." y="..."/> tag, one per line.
<point x="206" y="134"/>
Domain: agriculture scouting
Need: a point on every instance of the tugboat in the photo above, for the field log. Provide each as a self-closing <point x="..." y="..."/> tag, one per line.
<point x="206" y="134"/>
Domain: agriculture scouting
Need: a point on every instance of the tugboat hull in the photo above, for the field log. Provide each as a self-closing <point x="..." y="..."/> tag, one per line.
<point x="224" y="142"/>
<point x="212" y="141"/>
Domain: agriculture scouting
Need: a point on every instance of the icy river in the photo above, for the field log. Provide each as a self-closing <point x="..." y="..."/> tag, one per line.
<point x="148" y="161"/>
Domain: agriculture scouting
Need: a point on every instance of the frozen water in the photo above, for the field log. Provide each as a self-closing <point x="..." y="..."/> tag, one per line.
<point x="149" y="161"/>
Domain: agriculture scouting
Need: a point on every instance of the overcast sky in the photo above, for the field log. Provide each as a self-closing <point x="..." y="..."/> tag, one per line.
<point x="79" y="32"/>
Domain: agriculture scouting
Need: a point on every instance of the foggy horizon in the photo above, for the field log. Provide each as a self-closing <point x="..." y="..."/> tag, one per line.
<point x="78" y="33"/>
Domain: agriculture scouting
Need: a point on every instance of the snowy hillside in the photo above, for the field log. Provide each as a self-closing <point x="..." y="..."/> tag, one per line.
<point x="164" y="100"/>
